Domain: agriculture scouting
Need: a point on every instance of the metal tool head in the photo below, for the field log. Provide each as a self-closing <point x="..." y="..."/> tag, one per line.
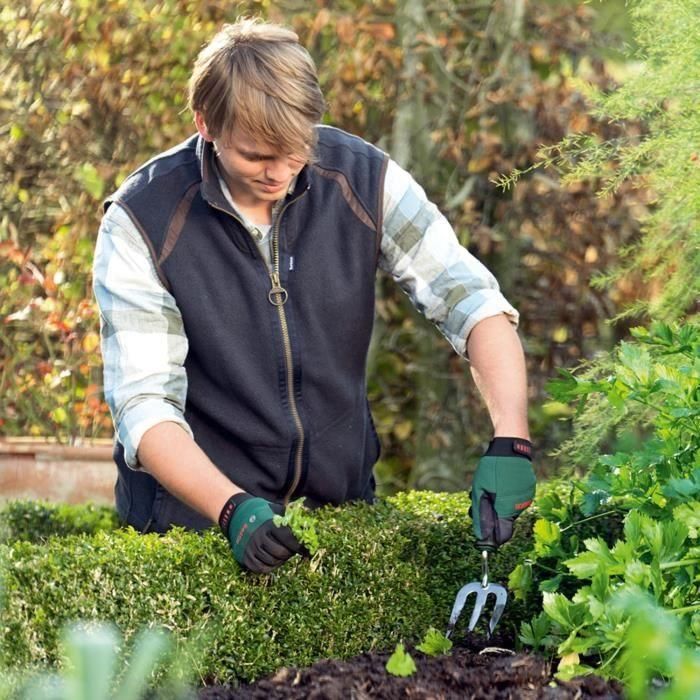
<point x="482" y="593"/>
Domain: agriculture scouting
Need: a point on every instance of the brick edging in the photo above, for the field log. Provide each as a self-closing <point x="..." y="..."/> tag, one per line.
<point x="38" y="447"/>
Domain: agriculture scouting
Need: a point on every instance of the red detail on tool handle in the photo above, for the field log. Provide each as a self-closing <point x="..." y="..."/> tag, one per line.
<point x="522" y="447"/>
<point x="523" y="505"/>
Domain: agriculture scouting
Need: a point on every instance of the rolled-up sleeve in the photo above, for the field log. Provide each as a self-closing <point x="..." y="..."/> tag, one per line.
<point x="144" y="345"/>
<point x="443" y="280"/>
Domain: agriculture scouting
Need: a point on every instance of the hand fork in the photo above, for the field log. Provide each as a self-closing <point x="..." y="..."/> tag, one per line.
<point x="482" y="589"/>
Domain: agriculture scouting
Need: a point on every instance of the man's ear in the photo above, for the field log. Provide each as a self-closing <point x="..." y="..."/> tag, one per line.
<point x="202" y="126"/>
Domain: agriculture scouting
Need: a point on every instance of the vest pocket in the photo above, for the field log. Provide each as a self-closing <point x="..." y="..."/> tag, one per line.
<point x="341" y="458"/>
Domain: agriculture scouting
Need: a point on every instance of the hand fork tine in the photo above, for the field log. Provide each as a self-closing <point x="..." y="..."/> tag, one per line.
<point x="482" y="590"/>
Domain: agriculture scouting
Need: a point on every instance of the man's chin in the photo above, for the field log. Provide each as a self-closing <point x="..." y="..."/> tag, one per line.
<point x="273" y="197"/>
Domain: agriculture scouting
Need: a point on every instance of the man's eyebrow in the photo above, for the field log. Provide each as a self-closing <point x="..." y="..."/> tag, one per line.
<point x="254" y="154"/>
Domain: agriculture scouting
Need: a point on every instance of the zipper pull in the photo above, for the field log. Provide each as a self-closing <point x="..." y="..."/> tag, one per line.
<point x="277" y="296"/>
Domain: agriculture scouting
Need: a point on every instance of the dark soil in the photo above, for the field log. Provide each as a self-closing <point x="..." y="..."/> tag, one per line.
<point x="464" y="674"/>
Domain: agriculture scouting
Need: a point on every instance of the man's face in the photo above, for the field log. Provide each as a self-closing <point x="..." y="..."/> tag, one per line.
<point x="256" y="173"/>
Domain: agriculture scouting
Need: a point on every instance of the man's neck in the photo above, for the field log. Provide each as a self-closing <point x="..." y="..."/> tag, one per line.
<point x="259" y="214"/>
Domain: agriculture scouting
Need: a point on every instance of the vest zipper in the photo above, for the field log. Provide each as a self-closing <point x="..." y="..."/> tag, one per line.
<point x="277" y="296"/>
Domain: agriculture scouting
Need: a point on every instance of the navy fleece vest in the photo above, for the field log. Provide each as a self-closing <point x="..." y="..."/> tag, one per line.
<point x="239" y="401"/>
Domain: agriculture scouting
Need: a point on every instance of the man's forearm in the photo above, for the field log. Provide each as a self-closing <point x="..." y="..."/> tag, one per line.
<point x="170" y="455"/>
<point x="498" y="368"/>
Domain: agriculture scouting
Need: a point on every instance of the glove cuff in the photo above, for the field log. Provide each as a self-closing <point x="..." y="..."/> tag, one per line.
<point x="229" y="508"/>
<point x="509" y="447"/>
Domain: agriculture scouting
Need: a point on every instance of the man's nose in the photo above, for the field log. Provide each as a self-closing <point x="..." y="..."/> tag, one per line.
<point x="278" y="170"/>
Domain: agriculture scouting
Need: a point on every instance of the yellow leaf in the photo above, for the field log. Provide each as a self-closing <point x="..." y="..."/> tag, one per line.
<point x="99" y="56"/>
<point x="560" y="335"/>
<point x="59" y="415"/>
<point x="479" y="164"/>
<point x="571" y="659"/>
<point x="591" y="255"/>
<point x="91" y="341"/>
<point x="539" y="53"/>
<point x="403" y="430"/>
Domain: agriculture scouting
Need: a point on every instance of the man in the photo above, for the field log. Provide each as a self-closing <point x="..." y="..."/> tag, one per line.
<point x="235" y="278"/>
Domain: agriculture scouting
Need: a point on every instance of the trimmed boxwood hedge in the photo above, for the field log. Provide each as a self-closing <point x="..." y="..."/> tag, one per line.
<point x="36" y="521"/>
<point x="383" y="573"/>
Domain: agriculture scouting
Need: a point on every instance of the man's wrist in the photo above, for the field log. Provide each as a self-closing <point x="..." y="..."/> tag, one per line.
<point x="512" y="429"/>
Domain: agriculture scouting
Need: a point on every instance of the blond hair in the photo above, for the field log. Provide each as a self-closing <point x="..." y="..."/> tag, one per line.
<point x="256" y="76"/>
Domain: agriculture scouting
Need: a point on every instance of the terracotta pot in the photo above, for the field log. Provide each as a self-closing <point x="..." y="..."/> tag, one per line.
<point x="42" y="469"/>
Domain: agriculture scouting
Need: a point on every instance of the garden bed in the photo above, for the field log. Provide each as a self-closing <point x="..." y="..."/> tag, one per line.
<point x="470" y="671"/>
<point x="383" y="574"/>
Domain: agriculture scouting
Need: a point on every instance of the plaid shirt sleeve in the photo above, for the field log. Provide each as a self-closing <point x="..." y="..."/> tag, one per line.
<point x="420" y="250"/>
<point x="143" y="340"/>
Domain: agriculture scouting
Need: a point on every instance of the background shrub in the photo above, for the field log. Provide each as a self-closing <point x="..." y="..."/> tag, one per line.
<point x="456" y="92"/>
<point x="36" y="521"/>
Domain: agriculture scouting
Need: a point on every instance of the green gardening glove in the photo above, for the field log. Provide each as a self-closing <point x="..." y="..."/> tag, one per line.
<point x="503" y="486"/>
<point x="256" y="542"/>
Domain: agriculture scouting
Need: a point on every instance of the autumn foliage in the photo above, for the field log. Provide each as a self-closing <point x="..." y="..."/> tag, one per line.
<point x="459" y="93"/>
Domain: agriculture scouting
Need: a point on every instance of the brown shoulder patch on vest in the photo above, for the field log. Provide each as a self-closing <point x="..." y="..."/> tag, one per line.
<point x="177" y="222"/>
<point x="353" y="202"/>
